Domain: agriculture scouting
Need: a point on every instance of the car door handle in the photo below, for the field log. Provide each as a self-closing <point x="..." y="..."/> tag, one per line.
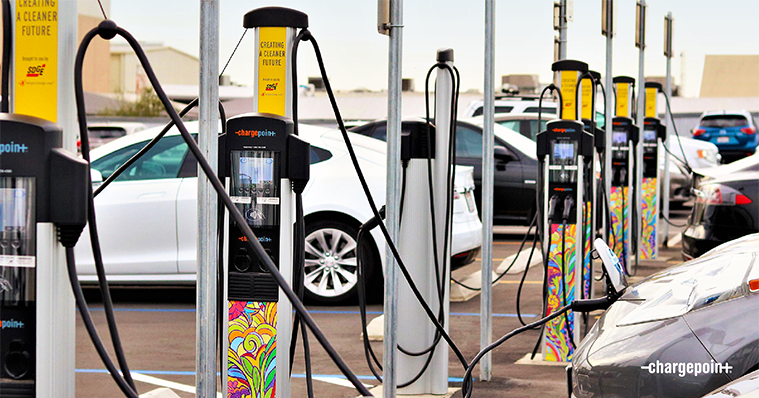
<point x="151" y="195"/>
<point x="531" y="182"/>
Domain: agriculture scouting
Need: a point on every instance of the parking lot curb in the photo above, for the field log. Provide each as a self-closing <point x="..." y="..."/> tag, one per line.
<point x="160" y="393"/>
<point x="377" y="392"/>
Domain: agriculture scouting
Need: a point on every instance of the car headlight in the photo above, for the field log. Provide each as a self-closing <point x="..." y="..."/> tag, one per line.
<point x="692" y="286"/>
<point x="709" y="155"/>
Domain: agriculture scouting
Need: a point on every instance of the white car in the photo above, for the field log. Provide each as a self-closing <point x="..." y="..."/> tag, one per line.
<point x="515" y="104"/>
<point x="147" y="218"/>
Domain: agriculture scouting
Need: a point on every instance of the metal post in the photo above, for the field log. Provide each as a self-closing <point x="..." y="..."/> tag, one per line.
<point x="393" y="195"/>
<point x="667" y="122"/>
<point x="640" y="101"/>
<point x="562" y="29"/>
<point x="205" y="321"/>
<point x="488" y="169"/>
<point x="609" y="105"/>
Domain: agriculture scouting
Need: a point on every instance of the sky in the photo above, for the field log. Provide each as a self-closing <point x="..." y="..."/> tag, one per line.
<point x="356" y="56"/>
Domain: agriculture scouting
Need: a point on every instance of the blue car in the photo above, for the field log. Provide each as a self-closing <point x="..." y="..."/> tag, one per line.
<point x="734" y="133"/>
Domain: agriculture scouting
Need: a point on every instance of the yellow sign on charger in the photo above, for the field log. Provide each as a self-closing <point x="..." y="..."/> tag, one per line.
<point x="36" y="60"/>
<point x="272" y="70"/>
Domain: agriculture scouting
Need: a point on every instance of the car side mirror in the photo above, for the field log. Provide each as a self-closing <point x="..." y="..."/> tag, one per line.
<point x="96" y="176"/>
<point x="503" y="154"/>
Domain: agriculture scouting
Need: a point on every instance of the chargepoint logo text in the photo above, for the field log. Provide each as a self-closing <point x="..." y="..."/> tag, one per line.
<point x="11" y="324"/>
<point x="682" y="369"/>
<point x="255" y="133"/>
<point x="12" y="147"/>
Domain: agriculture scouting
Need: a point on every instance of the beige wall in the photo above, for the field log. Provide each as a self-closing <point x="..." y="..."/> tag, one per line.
<point x="730" y="76"/>
<point x="97" y="66"/>
<point x="170" y="66"/>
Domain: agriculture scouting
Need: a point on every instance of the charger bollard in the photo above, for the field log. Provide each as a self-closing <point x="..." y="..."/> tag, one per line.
<point x="654" y="132"/>
<point x="624" y="137"/>
<point x="260" y="158"/>
<point x="425" y="153"/>
<point x="36" y="189"/>
<point x="563" y="150"/>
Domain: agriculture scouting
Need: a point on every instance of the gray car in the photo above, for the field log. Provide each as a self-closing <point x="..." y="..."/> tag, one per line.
<point x="682" y="332"/>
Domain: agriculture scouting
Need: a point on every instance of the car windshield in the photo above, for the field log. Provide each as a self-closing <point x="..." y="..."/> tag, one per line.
<point x="722" y="121"/>
<point x="518" y="141"/>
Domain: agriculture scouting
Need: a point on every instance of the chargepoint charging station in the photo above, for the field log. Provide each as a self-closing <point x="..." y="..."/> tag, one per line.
<point x="624" y="137"/>
<point x="260" y="158"/>
<point x="564" y="151"/>
<point x="654" y="133"/>
<point x="427" y="157"/>
<point x="38" y="182"/>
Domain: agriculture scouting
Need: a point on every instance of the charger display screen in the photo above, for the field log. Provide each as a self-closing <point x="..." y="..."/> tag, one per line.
<point x="563" y="151"/>
<point x="649" y="135"/>
<point x="619" y="137"/>
<point x="255" y="186"/>
<point x="254" y="170"/>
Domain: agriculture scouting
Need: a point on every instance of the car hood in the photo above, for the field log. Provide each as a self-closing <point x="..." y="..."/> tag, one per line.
<point x="731" y="177"/>
<point x="750" y="163"/>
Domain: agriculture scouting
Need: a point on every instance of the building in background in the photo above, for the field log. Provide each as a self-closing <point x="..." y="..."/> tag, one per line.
<point x="730" y="76"/>
<point x="97" y="65"/>
<point x="171" y="66"/>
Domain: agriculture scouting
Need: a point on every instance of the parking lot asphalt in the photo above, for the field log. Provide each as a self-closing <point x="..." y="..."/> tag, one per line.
<point x="157" y="327"/>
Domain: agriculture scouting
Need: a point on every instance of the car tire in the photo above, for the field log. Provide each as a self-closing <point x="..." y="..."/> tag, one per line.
<point x="331" y="269"/>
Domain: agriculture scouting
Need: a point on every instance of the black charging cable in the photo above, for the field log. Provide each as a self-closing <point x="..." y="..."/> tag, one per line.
<point x="513" y="261"/>
<point x="108" y="29"/>
<point x="373" y="206"/>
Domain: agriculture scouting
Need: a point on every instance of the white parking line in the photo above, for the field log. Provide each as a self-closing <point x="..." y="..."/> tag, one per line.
<point x="339" y="381"/>
<point x="166" y="383"/>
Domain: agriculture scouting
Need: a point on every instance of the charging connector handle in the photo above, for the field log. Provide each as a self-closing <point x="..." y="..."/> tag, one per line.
<point x="569" y="204"/>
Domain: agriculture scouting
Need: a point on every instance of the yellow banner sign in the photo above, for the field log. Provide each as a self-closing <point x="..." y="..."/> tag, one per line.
<point x="623" y="99"/>
<point x="36" y="63"/>
<point x="651" y="101"/>
<point x="587" y="99"/>
<point x="272" y="70"/>
<point x="569" y="94"/>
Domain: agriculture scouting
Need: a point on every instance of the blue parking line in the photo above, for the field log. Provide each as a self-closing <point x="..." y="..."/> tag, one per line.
<point x="312" y="312"/>
<point x="192" y="373"/>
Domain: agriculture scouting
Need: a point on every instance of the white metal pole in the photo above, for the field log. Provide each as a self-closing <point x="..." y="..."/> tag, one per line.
<point x="392" y="195"/>
<point x="207" y="268"/>
<point x="667" y="120"/>
<point x="488" y="169"/>
<point x="563" y="29"/>
<point x="640" y="101"/>
<point x="609" y="87"/>
<point x="56" y="311"/>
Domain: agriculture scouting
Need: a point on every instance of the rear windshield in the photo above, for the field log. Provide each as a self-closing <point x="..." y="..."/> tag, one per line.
<point x="724" y="121"/>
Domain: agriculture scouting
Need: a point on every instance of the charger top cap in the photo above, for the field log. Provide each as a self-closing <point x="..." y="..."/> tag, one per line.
<point x="612" y="265"/>
<point x="275" y="16"/>
<point x="569" y="64"/>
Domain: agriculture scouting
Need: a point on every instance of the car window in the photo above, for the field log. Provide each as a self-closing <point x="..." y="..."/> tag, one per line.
<point x="511" y="124"/>
<point x="498" y="109"/>
<point x="533" y="128"/>
<point x="162" y="161"/>
<point x="319" y="155"/>
<point x="724" y="121"/>
<point x="535" y="109"/>
<point x="468" y="143"/>
<point x="105" y="132"/>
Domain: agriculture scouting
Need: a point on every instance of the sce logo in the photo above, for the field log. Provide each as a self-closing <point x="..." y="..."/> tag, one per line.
<point x="271" y="87"/>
